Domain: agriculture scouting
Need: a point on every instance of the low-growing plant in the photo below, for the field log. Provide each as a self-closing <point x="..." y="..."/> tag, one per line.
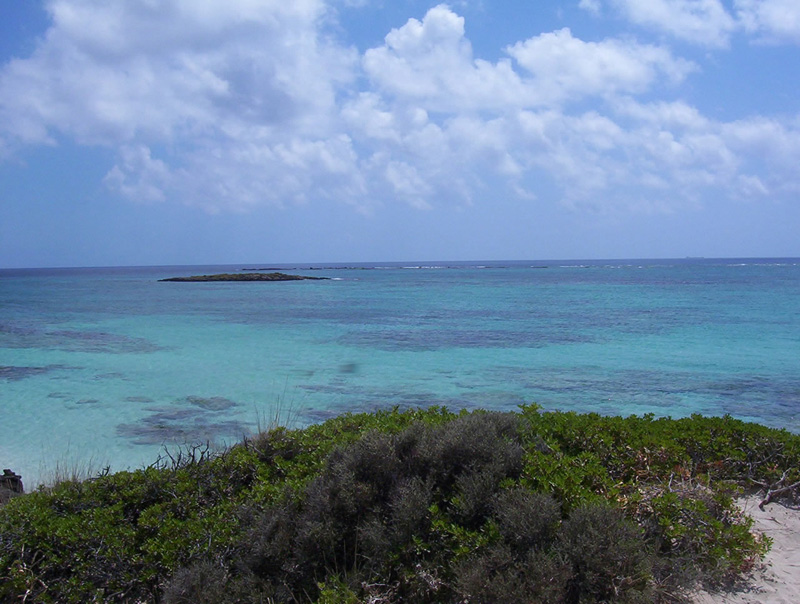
<point x="409" y="506"/>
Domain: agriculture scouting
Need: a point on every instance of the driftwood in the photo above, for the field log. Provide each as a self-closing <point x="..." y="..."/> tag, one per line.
<point x="777" y="489"/>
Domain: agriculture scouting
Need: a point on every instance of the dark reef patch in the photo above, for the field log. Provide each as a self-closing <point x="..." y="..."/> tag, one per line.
<point x="111" y="375"/>
<point x="138" y="399"/>
<point x="440" y="339"/>
<point x="73" y="340"/>
<point x="190" y="419"/>
<point x="645" y="391"/>
<point x="213" y="403"/>
<point x="353" y="399"/>
<point x="15" y="373"/>
<point x="88" y="401"/>
<point x="99" y="341"/>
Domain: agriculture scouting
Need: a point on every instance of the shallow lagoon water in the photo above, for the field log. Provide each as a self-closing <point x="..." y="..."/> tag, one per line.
<point x="107" y="366"/>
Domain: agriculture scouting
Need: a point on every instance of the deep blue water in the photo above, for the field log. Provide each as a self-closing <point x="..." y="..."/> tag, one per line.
<point x="107" y="366"/>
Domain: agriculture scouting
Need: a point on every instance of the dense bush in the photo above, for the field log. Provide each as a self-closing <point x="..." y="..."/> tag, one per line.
<point x="525" y="519"/>
<point x="608" y="555"/>
<point x="415" y="506"/>
<point x="384" y="504"/>
<point x="497" y="576"/>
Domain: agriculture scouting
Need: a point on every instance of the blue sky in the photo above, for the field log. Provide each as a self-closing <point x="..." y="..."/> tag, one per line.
<point x="141" y="132"/>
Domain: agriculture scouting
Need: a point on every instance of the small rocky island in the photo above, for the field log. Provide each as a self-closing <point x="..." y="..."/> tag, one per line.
<point x="246" y="277"/>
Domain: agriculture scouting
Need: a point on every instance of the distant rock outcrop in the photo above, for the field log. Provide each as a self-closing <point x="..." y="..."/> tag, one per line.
<point x="245" y="277"/>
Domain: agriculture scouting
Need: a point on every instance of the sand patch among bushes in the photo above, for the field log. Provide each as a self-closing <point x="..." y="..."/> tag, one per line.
<point x="777" y="579"/>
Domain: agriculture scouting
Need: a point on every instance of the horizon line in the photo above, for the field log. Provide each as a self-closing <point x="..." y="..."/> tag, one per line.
<point x="416" y="263"/>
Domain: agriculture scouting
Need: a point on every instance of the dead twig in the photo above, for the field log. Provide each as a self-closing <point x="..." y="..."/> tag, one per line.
<point x="777" y="489"/>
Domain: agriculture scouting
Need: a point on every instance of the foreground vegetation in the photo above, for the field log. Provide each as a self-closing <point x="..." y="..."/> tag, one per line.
<point x="409" y="506"/>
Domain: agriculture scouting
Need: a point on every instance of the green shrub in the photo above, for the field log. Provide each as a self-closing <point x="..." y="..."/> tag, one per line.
<point x="526" y="520"/>
<point x="205" y="582"/>
<point x="609" y="558"/>
<point x="499" y="577"/>
<point x="409" y="506"/>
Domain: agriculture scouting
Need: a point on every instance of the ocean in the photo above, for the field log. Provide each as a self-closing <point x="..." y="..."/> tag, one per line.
<point x="108" y="366"/>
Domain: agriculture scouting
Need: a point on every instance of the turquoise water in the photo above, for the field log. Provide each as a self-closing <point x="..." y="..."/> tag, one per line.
<point x="107" y="366"/>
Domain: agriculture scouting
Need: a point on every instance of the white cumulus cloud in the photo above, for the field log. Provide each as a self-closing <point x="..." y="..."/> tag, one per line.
<point x="206" y="83"/>
<point x="771" y="20"/>
<point x="705" y="22"/>
<point x="431" y="62"/>
<point x="228" y="105"/>
<point x="566" y="66"/>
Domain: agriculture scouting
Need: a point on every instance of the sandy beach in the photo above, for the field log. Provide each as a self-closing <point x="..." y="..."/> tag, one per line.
<point x="777" y="578"/>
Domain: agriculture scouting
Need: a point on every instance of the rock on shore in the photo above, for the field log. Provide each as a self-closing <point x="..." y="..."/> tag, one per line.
<point x="10" y="486"/>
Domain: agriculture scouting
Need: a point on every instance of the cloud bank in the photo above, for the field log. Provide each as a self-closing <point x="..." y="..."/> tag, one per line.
<point x="243" y="103"/>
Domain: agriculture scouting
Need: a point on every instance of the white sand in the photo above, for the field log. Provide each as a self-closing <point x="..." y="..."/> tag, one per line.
<point x="777" y="580"/>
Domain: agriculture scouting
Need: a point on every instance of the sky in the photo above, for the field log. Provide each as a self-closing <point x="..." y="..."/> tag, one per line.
<point x="156" y="132"/>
